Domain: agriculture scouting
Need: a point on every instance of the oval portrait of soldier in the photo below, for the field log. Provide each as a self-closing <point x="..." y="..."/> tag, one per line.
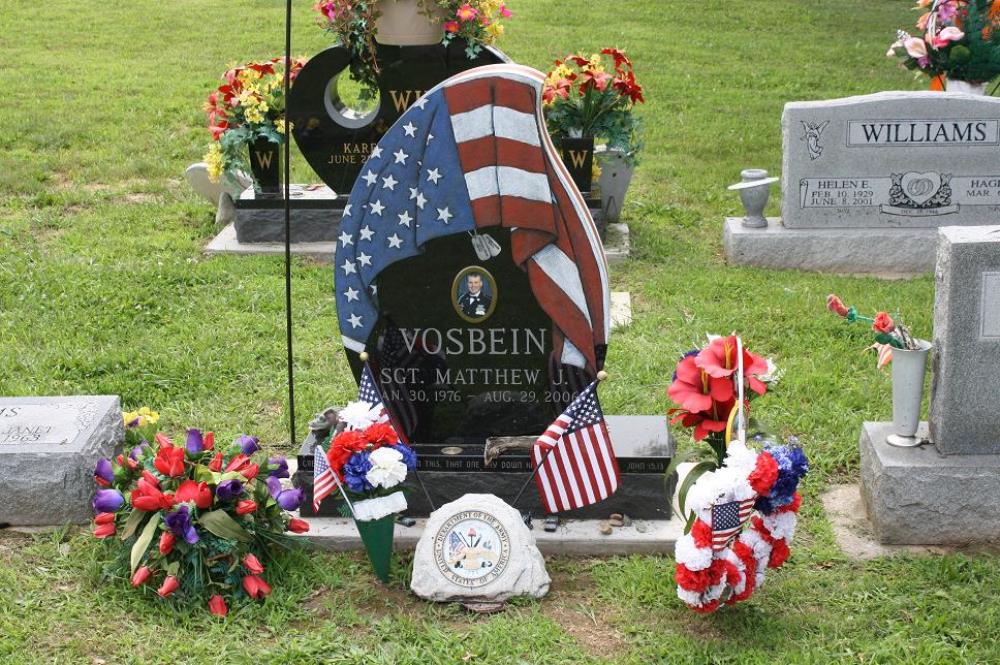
<point x="474" y="294"/>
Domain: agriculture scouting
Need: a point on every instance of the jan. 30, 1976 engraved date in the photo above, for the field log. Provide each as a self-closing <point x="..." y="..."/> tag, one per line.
<point x="505" y="396"/>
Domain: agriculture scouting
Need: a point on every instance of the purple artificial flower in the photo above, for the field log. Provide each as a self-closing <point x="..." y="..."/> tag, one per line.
<point x="179" y="522"/>
<point x="355" y="473"/>
<point x="277" y="467"/>
<point x="137" y="451"/>
<point x="288" y="499"/>
<point x="132" y="424"/>
<point x="228" y="490"/>
<point x="104" y="473"/>
<point x="409" y="457"/>
<point x="195" y="441"/>
<point x="248" y="444"/>
<point x="107" y="501"/>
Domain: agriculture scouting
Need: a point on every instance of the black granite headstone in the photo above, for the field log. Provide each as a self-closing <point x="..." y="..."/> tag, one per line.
<point x="455" y="371"/>
<point x="334" y="139"/>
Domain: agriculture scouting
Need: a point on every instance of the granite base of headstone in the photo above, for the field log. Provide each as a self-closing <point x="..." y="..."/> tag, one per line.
<point x="48" y="449"/>
<point x="947" y="491"/>
<point x="315" y="212"/>
<point x="866" y="180"/>
<point x="476" y="550"/>
<point x="642" y="444"/>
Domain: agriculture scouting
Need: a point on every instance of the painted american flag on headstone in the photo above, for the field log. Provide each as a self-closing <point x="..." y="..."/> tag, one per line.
<point x="473" y="153"/>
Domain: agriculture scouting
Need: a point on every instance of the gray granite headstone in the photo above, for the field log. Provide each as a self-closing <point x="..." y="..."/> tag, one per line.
<point x="965" y="397"/>
<point x="48" y="449"/>
<point x="891" y="160"/>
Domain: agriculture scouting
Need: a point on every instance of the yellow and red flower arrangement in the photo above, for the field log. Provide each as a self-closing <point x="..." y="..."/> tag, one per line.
<point x="248" y="106"/>
<point x="194" y="521"/>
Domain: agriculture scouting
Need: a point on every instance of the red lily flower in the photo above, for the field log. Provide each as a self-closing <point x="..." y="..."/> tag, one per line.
<point x="692" y="388"/>
<point x="719" y="360"/>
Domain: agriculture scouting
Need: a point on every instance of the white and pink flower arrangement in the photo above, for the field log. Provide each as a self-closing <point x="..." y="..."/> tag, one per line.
<point x="957" y="39"/>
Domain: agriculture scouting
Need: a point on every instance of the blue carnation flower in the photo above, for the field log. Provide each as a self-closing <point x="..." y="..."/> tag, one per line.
<point x="355" y="473"/>
<point x="409" y="457"/>
<point x="792" y="466"/>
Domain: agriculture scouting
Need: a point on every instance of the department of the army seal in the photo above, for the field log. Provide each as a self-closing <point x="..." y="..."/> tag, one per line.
<point x="472" y="548"/>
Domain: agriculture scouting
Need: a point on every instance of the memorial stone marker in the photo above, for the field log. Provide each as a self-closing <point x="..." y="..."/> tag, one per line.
<point x="478" y="551"/>
<point x="471" y="272"/>
<point x="335" y="139"/>
<point x="965" y="404"/>
<point x="891" y="159"/>
<point x="48" y="449"/>
<point x="949" y="492"/>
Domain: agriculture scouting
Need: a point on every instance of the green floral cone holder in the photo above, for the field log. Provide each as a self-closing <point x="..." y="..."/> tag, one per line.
<point x="377" y="538"/>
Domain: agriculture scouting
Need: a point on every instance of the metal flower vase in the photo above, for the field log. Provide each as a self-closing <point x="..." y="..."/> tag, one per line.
<point x="908" y="370"/>
<point x="377" y="538"/>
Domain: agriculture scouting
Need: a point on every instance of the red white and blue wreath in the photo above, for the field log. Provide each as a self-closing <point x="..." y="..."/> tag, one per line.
<point x="742" y="508"/>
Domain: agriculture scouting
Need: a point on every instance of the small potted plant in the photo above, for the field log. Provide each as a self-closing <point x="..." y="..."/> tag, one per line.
<point x="894" y="343"/>
<point x="246" y="117"/>
<point x="593" y="97"/>
<point x="958" y="44"/>
<point x="362" y="24"/>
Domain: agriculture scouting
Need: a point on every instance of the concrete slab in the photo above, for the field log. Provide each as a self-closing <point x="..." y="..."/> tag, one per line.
<point x="616" y="250"/>
<point x="917" y="496"/>
<point x="883" y="252"/>
<point x="621" y="309"/>
<point x="573" y="538"/>
<point x="845" y="509"/>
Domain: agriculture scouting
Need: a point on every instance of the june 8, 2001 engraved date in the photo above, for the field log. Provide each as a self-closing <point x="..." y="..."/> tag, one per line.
<point x="447" y="395"/>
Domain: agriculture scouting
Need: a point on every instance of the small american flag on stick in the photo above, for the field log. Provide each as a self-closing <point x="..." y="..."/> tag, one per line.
<point x="574" y="461"/>
<point x="728" y="520"/>
<point x="324" y="480"/>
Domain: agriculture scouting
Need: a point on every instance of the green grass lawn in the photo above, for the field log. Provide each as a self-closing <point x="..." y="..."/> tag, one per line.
<point x="104" y="289"/>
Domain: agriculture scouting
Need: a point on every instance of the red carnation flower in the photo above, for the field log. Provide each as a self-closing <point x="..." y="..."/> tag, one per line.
<point x="700" y="580"/>
<point x="745" y="554"/>
<point x="707" y="608"/>
<point x="381" y="434"/>
<point x="702" y="533"/>
<point x="792" y="507"/>
<point x="344" y="445"/>
<point x="764" y="474"/>
<point x="779" y="554"/>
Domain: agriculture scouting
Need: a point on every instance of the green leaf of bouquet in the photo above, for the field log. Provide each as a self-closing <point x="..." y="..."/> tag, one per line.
<point x="222" y="525"/>
<point x="696" y="472"/>
<point x="884" y="338"/>
<point x="689" y="523"/>
<point x="203" y="474"/>
<point x="145" y="538"/>
<point x="132" y="523"/>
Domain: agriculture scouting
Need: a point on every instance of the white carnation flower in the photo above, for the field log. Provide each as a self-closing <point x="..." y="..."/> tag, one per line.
<point x="692" y="556"/>
<point x="359" y="415"/>
<point x="388" y="469"/>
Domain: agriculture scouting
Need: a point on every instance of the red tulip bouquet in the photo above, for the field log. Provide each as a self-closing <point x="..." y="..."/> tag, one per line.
<point x="889" y="334"/>
<point x="195" y="521"/>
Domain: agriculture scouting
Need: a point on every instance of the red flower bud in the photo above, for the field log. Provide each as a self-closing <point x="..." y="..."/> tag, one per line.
<point x="250" y="471"/>
<point x="104" y="530"/>
<point x="237" y="463"/>
<point x="245" y="507"/>
<point x="169" y="585"/>
<point x="150" y="478"/>
<point x="253" y="564"/>
<point x="208" y="443"/>
<point x="216" y="463"/>
<point x="296" y="525"/>
<point x="167" y="540"/>
<point x="836" y="305"/>
<point x="104" y="518"/>
<point x="256" y="587"/>
<point x="140" y="576"/>
<point x="883" y="323"/>
<point x="217" y="606"/>
<point x="163" y="440"/>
